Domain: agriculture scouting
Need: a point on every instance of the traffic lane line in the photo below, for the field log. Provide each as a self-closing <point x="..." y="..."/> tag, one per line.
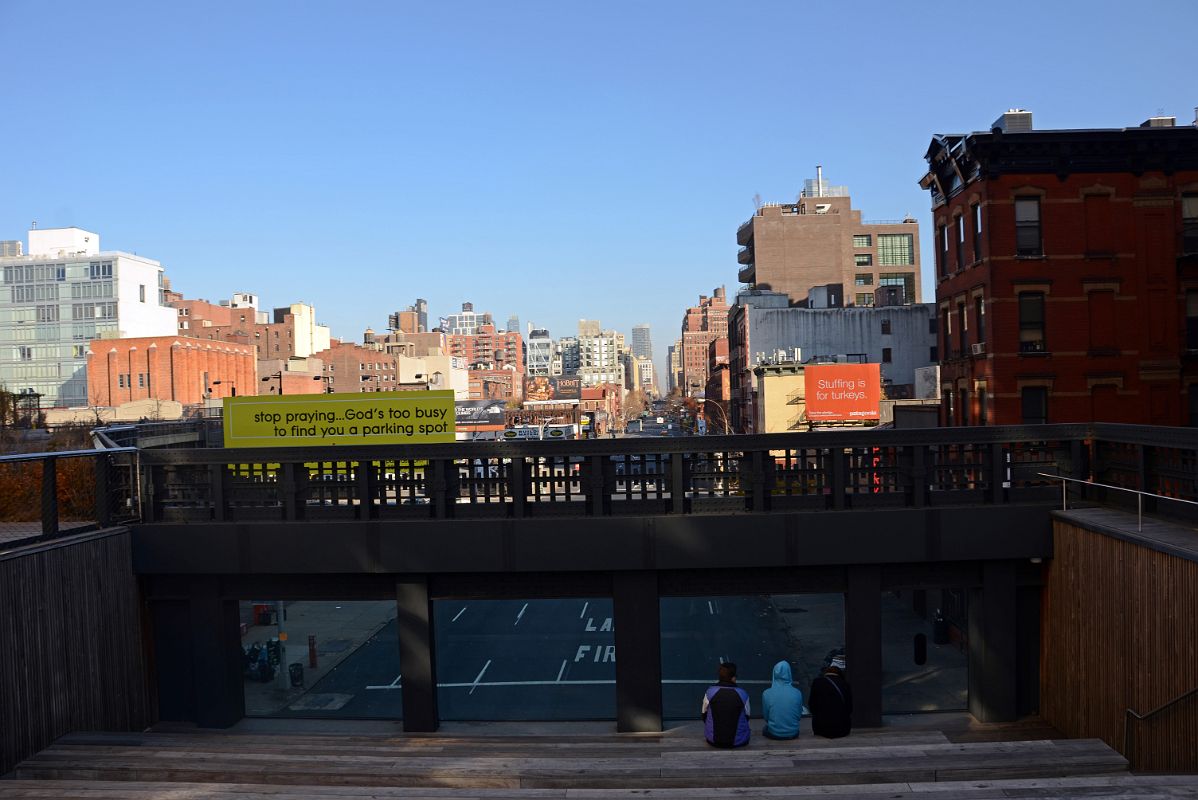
<point x="460" y="613"/>
<point x="479" y="677"/>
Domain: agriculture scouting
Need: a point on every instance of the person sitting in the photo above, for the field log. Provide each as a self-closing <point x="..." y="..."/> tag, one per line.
<point x="831" y="701"/>
<point x="781" y="705"/>
<point x="726" y="711"/>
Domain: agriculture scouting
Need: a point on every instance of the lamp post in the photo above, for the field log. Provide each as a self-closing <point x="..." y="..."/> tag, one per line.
<point x="232" y="387"/>
<point x="279" y="375"/>
<point x="723" y="414"/>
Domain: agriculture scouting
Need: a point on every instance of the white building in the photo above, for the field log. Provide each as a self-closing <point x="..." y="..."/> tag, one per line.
<point x="599" y="354"/>
<point x="539" y="352"/>
<point x="63" y="293"/>
<point x="466" y="322"/>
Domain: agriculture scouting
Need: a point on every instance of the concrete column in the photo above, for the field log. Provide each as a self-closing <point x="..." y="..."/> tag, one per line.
<point x="417" y="658"/>
<point x="863" y="643"/>
<point x="218" y="684"/>
<point x="993" y="673"/>
<point x="637" y="618"/>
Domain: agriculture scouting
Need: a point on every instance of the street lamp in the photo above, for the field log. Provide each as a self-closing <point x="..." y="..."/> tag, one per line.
<point x="279" y="375"/>
<point x="232" y="387"/>
<point x="723" y="414"/>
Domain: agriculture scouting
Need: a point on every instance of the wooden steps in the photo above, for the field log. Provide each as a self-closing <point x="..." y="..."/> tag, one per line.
<point x="891" y="763"/>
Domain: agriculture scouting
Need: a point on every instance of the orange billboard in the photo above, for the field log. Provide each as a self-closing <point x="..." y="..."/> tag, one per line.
<point x="842" y="392"/>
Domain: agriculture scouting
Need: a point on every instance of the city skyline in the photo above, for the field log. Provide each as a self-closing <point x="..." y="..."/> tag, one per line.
<point x="551" y="164"/>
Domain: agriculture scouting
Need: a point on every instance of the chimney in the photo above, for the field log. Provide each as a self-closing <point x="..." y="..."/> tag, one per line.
<point x="1015" y="120"/>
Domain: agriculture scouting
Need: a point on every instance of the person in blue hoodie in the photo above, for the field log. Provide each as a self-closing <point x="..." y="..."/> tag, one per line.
<point x="782" y="705"/>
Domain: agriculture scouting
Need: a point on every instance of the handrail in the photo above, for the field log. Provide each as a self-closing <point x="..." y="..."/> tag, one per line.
<point x="1139" y="499"/>
<point x="1129" y="714"/>
<point x="65" y="454"/>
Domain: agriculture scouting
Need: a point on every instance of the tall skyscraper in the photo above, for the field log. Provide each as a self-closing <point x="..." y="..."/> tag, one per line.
<point x="62" y="295"/>
<point x="513" y="324"/>
<point x="642" y="344"/>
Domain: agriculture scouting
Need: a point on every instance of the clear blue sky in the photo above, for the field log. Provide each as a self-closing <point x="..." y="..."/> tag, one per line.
<point x="555" y="160"/>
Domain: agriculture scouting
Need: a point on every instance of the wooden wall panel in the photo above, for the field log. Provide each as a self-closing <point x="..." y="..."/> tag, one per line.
<point x="71" y="647"/>
<point x="1120" y="630"/>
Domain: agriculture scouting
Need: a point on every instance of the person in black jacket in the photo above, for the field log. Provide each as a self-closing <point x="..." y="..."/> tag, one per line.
<point x="831" y="702"/>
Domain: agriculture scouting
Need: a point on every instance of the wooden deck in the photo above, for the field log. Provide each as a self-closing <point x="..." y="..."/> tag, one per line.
<point x="891" y="763"/>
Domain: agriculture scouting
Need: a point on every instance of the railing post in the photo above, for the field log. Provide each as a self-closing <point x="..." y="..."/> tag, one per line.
<point x="758" y="497"/>
<point x="677" y="485"/>
<point x="216" y="482"/>
<point x="103" y="499"/>
<point x="998" y="471"/>
<point x="518" y="480"/>
<point x="438" y="483"/>
<point x="291" y="509"/>
<point x="919" y="475"/>
<point x="150" y="484"/>
<point x="365" y="485"/>
<point x="50" y="496"/>
<point x="596" y="486"/>
<point x="839" y="478"/>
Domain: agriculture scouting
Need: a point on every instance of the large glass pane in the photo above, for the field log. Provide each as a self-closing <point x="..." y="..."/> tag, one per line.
<point x="924" y="652"/>
<point x="338" y="659"/>
<point x="525" y="660"/>
<point x="755" y="632"/>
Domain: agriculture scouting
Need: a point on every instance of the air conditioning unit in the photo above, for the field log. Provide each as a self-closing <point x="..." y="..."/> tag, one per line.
<point x="978" y="348"/>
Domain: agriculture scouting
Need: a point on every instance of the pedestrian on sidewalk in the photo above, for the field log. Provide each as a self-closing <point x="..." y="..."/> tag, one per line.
<point x="781" y="705"/>
<point x="726" y="711"/>
<point x="831" y="701"/>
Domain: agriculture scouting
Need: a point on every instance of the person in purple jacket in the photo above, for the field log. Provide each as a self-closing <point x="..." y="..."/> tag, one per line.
<point x="726" y="711"/>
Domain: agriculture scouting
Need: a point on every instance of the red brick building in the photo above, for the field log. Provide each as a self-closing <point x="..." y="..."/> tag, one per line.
<point x="488" y="346"/>
<point x="350" y="367"/>
<point x="701" y="325"/>
<point x="1067" y="273"/>
<point x="718" y="392"/>
<point x="496" y="384"/>
<point x="168" y="368"/>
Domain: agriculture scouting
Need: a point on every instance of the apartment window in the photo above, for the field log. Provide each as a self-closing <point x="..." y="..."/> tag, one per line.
<point x="981" y="406"/>
<point x="98" y="270"/>
<point x="885" y="326"/>
<point x="47" y="313"/>
<point x="1031" y="322"/>
<point x="942" y="250"/>
<point x="933" y="324"/>
<point x="979" y="317"/>
<point x="120" y="380"/>
<point x="903" y="279"/>
<point x="1027" y="226"/>
<point x="141" y="292"/>
<point x="865" y="299"/>
<point x="964" y="406"/>
<point x="141" y="380"/>
<point x="863" y="279"/>
<point x="960" y="242"/>
<point x="1102" y="322"/>
<point x="933" y="354"/>
<point x="896" y="249"/>
<point x="886" y="355"/>
<point x="862" y="240"/>
<point x="1034" y="403"/>
<point x="1192" y="319"/>
<point x="962" y="328"/>
<point x="946" y="403"/>
<point x="1189" y="223"/>
<point x="25" y="353"/>
<point x="864" y="259"/>
<point x="975" y="215"/>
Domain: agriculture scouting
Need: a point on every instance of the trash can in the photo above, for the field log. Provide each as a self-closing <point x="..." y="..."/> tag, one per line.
<point x="939" y="629"/>
<point x="296" y="671"/>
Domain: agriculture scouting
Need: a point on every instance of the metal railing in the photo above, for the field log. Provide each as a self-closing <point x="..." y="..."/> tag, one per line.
<point x="711" y="474"/>
<point x="1139" y="495"/>
<point x="1175" y="753"/>
<point x="43" y="495"/>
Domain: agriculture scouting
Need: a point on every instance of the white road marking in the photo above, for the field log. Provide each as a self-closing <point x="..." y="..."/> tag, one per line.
<point x="393" y="685"/>
<point x="710" y="610"/>
<point x="561" y="671"/>
<point x="522" y="610"/>
<point x="479" y="677"/>
<point x="582" y="613"/>
<point x="460" y="613"/>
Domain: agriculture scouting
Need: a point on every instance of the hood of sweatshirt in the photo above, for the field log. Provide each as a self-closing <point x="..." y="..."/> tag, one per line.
<point x="782" y="674"/>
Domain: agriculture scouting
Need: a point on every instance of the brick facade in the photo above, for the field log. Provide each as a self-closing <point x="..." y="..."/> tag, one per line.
<point x="168" y="368"/>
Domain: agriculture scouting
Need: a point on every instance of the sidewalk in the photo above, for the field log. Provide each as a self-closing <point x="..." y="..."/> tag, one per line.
<point x="340" y="628"/>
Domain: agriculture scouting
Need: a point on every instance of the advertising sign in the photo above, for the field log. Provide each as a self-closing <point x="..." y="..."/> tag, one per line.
<point x="474" y="413"/>
<point x="307" y="420"/>
<point x="562" y="387"/>
<point x="842" y="392"/>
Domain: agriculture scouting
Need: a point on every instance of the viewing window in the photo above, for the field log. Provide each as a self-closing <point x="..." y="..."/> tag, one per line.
<point x="1027" y="226"/>
<point x="960" y="242"/>
<point x="1034" y="402"/>
<point x="1031" y="322"/>
<point x="862" y="240"/>
<point x="975" y="214"/>
<point x="896" y="249"/>
<point x="1189" y="223"/>
<point x="864" y="259"/>
<point x="864" y="279"/>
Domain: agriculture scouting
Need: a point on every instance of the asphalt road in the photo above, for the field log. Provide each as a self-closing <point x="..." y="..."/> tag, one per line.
<point x="555" y="659"/>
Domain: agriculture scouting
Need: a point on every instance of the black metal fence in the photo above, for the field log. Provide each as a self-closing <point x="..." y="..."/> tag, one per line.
<point x="712" y="474"/>
<point x="43" y="495"/>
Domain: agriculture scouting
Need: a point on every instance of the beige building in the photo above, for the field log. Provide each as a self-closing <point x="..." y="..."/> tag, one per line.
<point x="820" y="239"/>
<point x="781" y="401"/>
